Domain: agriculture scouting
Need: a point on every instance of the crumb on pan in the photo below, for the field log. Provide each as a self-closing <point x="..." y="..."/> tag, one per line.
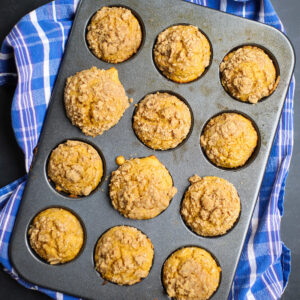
<point x="120" y="160"/>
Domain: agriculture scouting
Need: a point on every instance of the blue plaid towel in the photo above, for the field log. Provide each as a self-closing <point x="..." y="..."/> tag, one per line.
<point x="31" y="55"/>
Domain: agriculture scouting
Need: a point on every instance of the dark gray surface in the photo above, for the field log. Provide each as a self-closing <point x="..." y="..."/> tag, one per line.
<point x="288" y="11"/>
<point x="11" y="157"/>
<point x="139" y="76"/>
<point x="16" y="292"/>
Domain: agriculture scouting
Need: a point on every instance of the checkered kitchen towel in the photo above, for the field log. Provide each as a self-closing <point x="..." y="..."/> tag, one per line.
<point x="31" y="55"/>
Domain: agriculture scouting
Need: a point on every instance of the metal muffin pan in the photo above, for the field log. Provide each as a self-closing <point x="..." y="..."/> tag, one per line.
<point x="140" y="77"/>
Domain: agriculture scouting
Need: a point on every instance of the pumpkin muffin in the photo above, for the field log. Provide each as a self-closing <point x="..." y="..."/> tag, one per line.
<point x="124" y="255"/>
<point x="114" y="34"/>
<point x="211" y="205"/>
<point x="162" y="121"/>
<point x="182" y="53"/>
<point x="56" y="235"/>
<point x="75" y="168"/>
<point x="95" y="100"/>
<point x="191" y="273"/>
<point x="249" y="74"/>
<point x="229" y="140"/>
<point x="141" y="188"/>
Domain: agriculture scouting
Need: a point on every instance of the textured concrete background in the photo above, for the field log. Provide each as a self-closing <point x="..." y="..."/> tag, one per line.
<point x="288" y="11"/>
<point x="12" y="166"/>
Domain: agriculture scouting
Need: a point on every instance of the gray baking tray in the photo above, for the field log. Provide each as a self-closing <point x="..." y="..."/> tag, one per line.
<point x="140" y="77"/>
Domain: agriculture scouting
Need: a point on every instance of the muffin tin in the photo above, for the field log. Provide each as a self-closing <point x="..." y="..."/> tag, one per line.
<point x="205" y="96"/>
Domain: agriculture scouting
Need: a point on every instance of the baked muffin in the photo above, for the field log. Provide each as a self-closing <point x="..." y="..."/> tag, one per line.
<point x="162" y="121"/>
<point x="211" y="205"/>
<point x="95" y="100"/>
<point x="56" y="235"/>
<point x="229" y="140"/>
<point x="191" y="273"/>
<point x="182" y="53"/>
<point x="141" y="188"/>
<point x="249" y="74"/>
<point x="114" y="34"/>
<point x="75" y="168"/>
<point x="124" y="255"/>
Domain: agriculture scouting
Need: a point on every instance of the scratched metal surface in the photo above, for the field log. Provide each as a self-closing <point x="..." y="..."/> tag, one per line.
<point x="139" y="76"/>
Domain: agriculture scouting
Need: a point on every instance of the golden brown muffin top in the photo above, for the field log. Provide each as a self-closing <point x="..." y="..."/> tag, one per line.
<point x="56" y="235"/>
<point x="191" y="273"/>
<point x="162" y="121"/>
<point x="249" y="74"/>
<point x="95" y="100"/>
<point x="229" y="140"/>
<point x="211" y="205"/>
<point x="114" y="34"/>
<point x="75" y="168"/>
<point x="141" y="188"/>
<point x="182" y="53"/>
<point x="124" y="255"/>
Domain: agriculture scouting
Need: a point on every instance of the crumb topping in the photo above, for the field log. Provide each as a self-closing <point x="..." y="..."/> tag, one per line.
<point x="75" y="168"/>
<point x="95" y="100"/>
<point x="124" y="255"/>
<point x="191" y="273"/>
<point x="141" y="188"/>
<point x="249" y="74"/>
<point x="56" y="235"/>
<point x="162" y="121"/>
<point x="182" y="53"/>
<point x="229" y="140"/>
<point x="114" y="34"/>
<point x="211" y="205"/>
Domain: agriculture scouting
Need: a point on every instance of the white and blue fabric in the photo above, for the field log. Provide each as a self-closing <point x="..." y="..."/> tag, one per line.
<point x="31" y="55"/>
